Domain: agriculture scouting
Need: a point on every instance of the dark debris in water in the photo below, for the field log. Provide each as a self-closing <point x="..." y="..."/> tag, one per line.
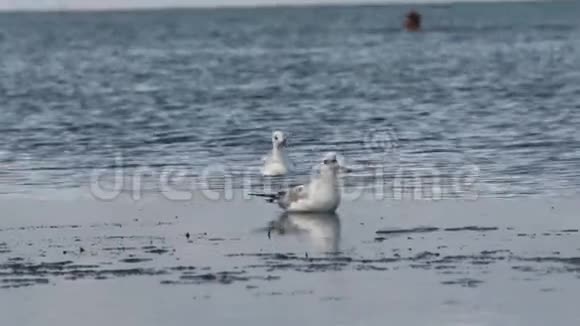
<point x="133" y="260"/>
<point x="119" y="248"/>
<point x="183" y="268"/>
<point x="464" y="282"/>
<point x="4" y="248"/>
<point x="287" y="293"/>
<point x="133" y="237"/>
<point x="429" y="229"/>
<point x="524" y="268"/>
<point x="563" y="260"/>
<point x="225" y="277"/>
<point x="157" y="251"/>
<point x="421" y="229"/>
<point x="40" y="227"/>
<point x="472" y="228"/>
<point x="261" y="266"/>
<point x="425" y="260"/>
<point x="8" y="283"/>
<point x="495" y="252"/>
<point x="19" y="274"/>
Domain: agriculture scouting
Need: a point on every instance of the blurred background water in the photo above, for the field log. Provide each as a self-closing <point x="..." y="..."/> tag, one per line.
<point x="487" y="92"/>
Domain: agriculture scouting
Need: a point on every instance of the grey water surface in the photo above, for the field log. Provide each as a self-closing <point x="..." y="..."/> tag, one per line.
<point x="461" y="208"/>
<point x="151" y="262"/>
<point x="487" y="92"/>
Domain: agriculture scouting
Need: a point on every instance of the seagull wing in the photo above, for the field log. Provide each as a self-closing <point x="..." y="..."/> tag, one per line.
<point x="267" y="158"/>
<point x="293" y="195"/>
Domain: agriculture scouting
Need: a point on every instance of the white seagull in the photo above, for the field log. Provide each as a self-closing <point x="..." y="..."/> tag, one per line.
<point x="321" y="195"/>
<point x="276" y="163"/>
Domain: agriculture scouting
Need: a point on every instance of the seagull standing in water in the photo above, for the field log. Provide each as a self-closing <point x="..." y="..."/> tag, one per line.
<point x="277" y="163"/>
<point x="321" y="195"/>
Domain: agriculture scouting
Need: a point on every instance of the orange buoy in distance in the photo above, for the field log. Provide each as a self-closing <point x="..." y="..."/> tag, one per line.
<point x="413" y="21"/>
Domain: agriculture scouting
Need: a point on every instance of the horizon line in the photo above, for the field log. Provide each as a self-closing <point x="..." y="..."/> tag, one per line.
<point x="323" y="3"/>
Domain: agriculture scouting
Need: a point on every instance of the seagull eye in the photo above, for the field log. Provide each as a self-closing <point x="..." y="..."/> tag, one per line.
<point x="275" y="137"/>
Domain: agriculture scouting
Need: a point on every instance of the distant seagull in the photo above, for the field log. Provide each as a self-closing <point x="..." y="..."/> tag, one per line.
<point x="321" y="195"/>
<point x="277" y="163"/>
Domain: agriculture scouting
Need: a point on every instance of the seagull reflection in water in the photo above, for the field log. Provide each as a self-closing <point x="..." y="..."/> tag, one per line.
<point x="322" y="229"/>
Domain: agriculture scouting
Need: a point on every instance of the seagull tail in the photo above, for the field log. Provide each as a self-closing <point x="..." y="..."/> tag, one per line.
<point x="269" y="197"/>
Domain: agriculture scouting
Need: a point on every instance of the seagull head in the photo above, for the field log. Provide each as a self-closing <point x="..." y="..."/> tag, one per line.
<point x="330" y="164"/>
<point x="278" y="139"/>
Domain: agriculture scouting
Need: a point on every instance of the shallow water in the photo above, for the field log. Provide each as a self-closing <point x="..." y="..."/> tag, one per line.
<point x="487" y="91"/>
<point x="483" y="104"/>
<point x="506" y="261"/>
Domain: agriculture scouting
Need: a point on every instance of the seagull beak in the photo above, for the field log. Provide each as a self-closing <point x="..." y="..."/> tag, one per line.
<point x="284" y="142"/>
